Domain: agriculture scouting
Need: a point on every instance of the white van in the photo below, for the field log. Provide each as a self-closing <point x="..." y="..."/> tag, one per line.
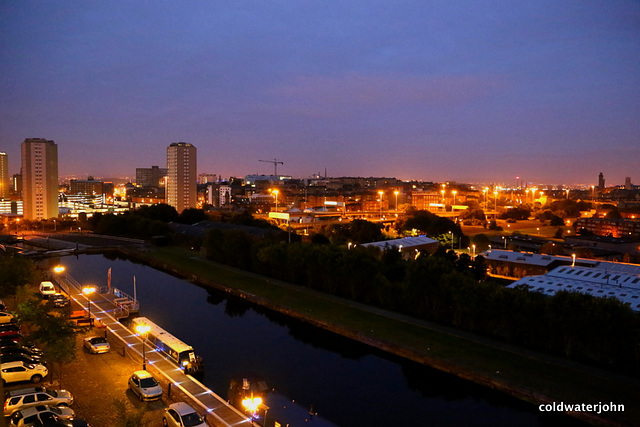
<point x="47" y="289"/>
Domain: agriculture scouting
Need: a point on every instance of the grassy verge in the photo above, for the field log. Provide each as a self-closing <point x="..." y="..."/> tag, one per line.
<point x="527" y="375"/>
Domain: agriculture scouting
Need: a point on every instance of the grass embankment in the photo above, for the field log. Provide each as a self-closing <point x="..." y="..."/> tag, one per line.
<point x="527" y="375"/>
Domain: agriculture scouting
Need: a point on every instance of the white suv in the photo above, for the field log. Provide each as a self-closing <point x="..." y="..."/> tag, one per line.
<point x="23" y="371"/>
<point x="18" y="400"/>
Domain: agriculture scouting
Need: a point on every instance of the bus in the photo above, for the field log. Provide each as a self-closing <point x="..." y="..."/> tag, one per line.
<point x="180" y="353"/>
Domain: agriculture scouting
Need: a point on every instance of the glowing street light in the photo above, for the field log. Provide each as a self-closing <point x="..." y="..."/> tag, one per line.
<point x="88" y="291"/>
<point x="143" y="330"/>
<point x="454" y="192"/>
<point x="58" y="269"/>
<point x="396" y="193"/>
<point x="380" y="193"/>
<point x="276" y="193"/>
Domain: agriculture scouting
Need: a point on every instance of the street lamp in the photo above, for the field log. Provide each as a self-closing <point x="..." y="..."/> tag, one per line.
<point x="87" y="291"/>
<point x="143" y="330"/>
<point x="276" y="193"/>
<point x="380" y="193"/>
<point x="454" y="192"/>
<point x="251" y="405"/>
<point x="396" y="193"/>
<point x="58" y="269"/>
<point x="474" y="250"/>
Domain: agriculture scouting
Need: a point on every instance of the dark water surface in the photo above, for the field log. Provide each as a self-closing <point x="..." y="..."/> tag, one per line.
<point x="347" y="383"/>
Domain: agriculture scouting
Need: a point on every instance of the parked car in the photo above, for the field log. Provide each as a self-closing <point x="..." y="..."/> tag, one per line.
<point x="21" y="391"/>
<point x="9" y="329"/>
<point x="18" y="349"/>
<point x="181" y="414"/>
<point x="59" y="300"/>
<point x="18" y="357"/>
<point x="5" y="317"/>
<point x="96" y="345"/>
<point x="33" y="397"/>
<point x="47" y="289"/>
<point x="15" y="337"/>
<point x="9" y="344"/>
<point x="28" y="416"/>
<point x="145" y="386"/>
<point x="49" y="420"/>
<point x="20" y="371"/>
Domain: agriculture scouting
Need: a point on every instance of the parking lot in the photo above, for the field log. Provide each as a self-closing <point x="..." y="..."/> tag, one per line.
<point x="97" y="380"/>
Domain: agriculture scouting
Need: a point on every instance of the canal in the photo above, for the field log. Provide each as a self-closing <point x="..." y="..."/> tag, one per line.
<point x="347" y="382"/>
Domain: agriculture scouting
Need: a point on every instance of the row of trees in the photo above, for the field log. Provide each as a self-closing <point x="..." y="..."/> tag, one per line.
<point x="448" y="289"/>
<point x="53" y="333"/>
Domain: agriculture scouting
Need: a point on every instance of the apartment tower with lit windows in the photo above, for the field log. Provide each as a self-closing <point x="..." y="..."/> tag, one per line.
<point x="39" y="179"/>
<point x="5" y="184"/>
<point x="182" y="176"/>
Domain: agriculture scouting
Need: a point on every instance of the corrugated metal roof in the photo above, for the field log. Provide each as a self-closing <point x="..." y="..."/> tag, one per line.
<point x="407" y="242"/>
<point x="598" y="281"/>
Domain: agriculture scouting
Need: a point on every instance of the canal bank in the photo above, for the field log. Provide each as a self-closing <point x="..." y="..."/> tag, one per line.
<point x="529" y="376"/>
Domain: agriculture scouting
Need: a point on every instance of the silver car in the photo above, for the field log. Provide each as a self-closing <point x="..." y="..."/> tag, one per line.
<point x="180" y="414"/>
<point x="25" y="398"/>
<point x="29" y="416"/>
<point x="96" y="345"/>
<point x="145" y="386"/>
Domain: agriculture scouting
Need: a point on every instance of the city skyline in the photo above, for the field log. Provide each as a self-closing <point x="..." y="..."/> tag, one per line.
<point x="439" y="92"/>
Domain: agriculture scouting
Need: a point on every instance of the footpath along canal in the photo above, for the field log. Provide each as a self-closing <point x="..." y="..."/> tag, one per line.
<point x="349" y="383"/>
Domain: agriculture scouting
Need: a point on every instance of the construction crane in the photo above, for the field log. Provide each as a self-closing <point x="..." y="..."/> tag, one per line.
<point x="275" y="164"/>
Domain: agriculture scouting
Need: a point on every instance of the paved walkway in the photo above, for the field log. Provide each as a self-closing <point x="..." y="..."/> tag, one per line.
<point x="217" y="411"/>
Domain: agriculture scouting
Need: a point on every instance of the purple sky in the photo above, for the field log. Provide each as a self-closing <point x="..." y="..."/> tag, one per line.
<point x="435" y="90"/>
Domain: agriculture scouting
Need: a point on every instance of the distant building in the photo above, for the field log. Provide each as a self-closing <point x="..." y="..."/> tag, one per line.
<point x="627" y="183"/>
<point x="181" y="186"/>
<point x="601" y="181"/>
<point x="616" y="280"/>
<point x="629" y="228"/>
<point x="152" y="177"/>
<point x="16" y="184"/>
<point x="426" y="200"/>
<point x="206" y="178"/>
<point x="5" y="185"/>
<point x="39" y="179"/>
<point x="89" y="186"/>
<point x="408" y="246"/>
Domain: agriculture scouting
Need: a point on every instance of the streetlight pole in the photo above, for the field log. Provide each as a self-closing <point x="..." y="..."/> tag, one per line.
<point x="87" y="291"/>
<point x="142" y="330"/>
<point x="380" y="193"/>
<point x="396" y="193"/>
<point x="276" y="192"/>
